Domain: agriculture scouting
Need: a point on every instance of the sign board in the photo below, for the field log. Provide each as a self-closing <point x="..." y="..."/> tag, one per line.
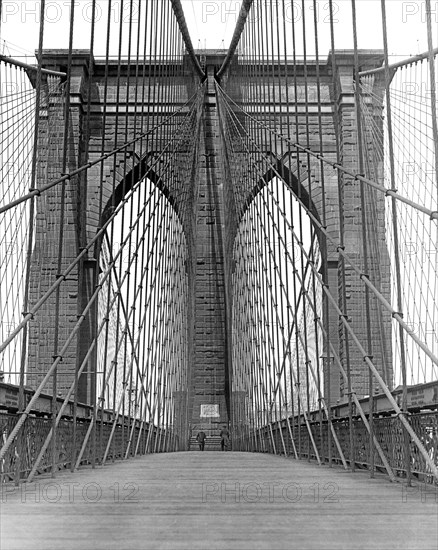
<point x="210" y="411"/>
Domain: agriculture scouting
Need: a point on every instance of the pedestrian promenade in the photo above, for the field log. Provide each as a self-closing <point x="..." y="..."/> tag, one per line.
<point x="214" y="500"/>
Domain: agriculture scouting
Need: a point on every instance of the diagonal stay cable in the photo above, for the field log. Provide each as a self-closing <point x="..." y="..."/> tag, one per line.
<point x="303" y="292"/>
<point x="296" y="381"/>
<point x="368" y="360"/>
<point x="37" y="192"/>
<point x="363" y="276"/>
<point x="433" y="214"/>
<point x="29" y="315"/>
<point x="364" y="354"/>
<point x="74" y="331"/>
<point x="32" y="68"/>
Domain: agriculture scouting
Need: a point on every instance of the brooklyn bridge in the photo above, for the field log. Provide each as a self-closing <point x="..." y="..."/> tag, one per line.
<point x="218" y="272"/>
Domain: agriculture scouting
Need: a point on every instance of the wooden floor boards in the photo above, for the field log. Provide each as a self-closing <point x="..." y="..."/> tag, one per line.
<point x="214" y="500"/>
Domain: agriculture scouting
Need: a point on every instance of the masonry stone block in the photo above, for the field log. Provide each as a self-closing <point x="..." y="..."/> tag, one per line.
<point x="211" y="231"/>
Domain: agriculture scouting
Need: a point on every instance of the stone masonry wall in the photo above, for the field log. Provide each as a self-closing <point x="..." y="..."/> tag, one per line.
<point x="304" y="122"/>
<point x="120" y="118"/>
<point x="210" y="352"/>
<point x="207" y="238"/>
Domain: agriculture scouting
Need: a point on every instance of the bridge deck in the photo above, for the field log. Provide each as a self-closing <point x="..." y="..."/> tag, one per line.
<point x="216" y="500"/>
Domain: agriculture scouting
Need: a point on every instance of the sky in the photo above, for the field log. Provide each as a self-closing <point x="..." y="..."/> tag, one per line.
<point x="211" y="23"/>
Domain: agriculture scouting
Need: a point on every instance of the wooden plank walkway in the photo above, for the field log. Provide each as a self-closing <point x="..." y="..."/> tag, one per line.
<point x="215" y="500"/>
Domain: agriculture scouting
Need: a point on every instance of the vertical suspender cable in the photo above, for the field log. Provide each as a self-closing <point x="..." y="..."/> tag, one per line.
<point x="61" y="232"/>
<point x="366" y="266"/>
<point x="38" y="91"/>
<point x="97" y="251"/>
<point x="337" y="123"/>
<point x="133" y="410"/>
<point x="125" y="392"/>
<point x="433" y="96"/>
<point x="306" y="123"/>
<point x="322" y="240"/>
<point x="94" y="318"/>
<point x="407" y="447"/>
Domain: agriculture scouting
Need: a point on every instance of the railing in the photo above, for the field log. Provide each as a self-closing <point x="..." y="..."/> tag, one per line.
<point x="108" y="444"/>
<point x="305" y="436"/>
<point x="125" y="351"/>
<point x="387" y="431"/>
<point x="111" y="440"/>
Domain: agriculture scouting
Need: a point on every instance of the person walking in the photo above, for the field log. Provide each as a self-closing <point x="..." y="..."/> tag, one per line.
<point x="200" y="438"/>
<point x="225" y="438"/>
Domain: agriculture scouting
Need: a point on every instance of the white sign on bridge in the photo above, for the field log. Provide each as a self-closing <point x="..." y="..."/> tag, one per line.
<point x="210" y="411"/>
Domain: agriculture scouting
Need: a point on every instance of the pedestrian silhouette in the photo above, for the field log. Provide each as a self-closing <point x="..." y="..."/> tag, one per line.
<point x="200" y="438"/>
<point x="225" y="438"/>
